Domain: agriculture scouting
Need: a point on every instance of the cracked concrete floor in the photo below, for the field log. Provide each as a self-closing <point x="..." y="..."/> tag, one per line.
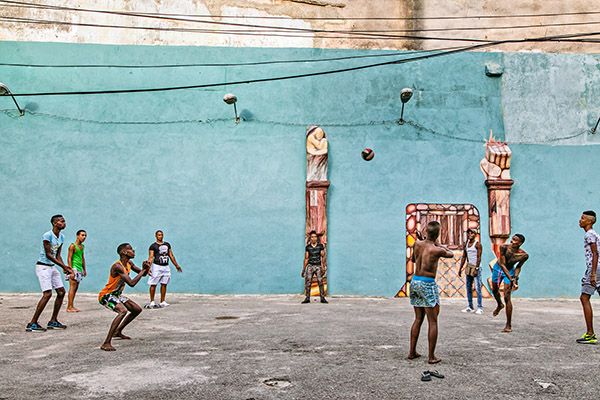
<point x="272" y="347"/>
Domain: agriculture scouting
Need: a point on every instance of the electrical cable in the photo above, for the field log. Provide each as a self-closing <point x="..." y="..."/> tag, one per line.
<point x="546" y="25"/>
<point x="306" y="32"/>
<point x="226" y="64"/>
<point x="211" y="22"/>
<point x="271" y="28"/>
<point x="311" y="74"/>
<point x="454" y="17"/>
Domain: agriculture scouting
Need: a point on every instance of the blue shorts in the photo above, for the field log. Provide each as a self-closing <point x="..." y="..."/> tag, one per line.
<point x="498" y="274"/>
<point x="423" y="292"/>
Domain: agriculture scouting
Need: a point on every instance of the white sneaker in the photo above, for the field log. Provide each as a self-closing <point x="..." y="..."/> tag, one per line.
<point x="479" y="311"/>
<point x="468" y="309"/>
<point x="152" y="305"/>
<point x="164" y="304"/>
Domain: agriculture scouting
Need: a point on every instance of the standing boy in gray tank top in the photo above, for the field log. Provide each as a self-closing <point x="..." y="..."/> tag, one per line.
<point x="472" y="255"/>
<point x="589" y="282"/>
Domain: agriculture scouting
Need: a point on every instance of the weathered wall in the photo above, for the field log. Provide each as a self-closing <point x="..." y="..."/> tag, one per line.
<point x="334" y="23"/>
<point x="230" y="198"/>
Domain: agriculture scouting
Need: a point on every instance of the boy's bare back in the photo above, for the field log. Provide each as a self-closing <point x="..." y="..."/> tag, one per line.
<point x="426" y="256"/>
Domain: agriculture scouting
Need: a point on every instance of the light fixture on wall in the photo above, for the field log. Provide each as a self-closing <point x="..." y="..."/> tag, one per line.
<point x="231" y="98"/>
<point x="4" y="91"/>
<point x="405" y="96"/>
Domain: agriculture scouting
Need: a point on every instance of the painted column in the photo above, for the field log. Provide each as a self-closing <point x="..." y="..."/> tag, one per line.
<point x="317" y="186"/>
<point x="496" y="168"/>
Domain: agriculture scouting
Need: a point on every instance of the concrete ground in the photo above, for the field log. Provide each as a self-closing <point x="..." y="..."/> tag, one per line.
<point x="272" y="347"/>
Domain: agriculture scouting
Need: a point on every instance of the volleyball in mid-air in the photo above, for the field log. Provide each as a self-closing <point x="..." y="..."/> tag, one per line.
<point x="367" y="154"/>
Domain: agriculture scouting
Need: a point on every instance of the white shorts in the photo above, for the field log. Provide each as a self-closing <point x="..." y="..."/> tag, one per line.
<point x="49" y="277"/>
<point x="160" y="274"/>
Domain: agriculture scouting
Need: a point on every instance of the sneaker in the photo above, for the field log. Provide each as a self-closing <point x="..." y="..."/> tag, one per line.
<point x="56" y="325"/>
<point x="587" y="339"/>
<point x="468" y="309"/>
<point x="164" y="304"/>
<point x="323" y="300"/>
<point x="35" y="327"/>
<point x="479" y="311"/>
<point x="306" y="300"/>
<point x="152" y="305"/>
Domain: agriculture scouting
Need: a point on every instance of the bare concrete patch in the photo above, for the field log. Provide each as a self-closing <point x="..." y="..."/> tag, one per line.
<point x="45" y="351"/>
<point x="135" y="375"/>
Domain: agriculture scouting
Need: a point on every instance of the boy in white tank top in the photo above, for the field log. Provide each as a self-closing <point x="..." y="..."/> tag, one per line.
<point x="472" y="255"/>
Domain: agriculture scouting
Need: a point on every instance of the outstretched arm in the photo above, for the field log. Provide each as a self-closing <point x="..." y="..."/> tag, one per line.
<point x="172" y="257"/>
<point x="445" y="252"/>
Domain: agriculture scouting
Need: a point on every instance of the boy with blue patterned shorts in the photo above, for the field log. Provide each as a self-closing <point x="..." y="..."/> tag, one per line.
<point x="424" y="294"/>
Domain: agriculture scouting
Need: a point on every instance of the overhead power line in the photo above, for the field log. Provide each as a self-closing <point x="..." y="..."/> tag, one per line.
<point x="266" y="28"/>
<point x="301" y="33"/>
<point x="305" y="75"/>
<point x="190" y="20"/>
<point x="387" y="32"/>
<point x="240" y="64"/>
<point x="288" y="77"/>
<point x="274" y="17"/>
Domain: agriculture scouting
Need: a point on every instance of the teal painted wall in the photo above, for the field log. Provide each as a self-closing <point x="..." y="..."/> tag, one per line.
<point x="230" y="198"/>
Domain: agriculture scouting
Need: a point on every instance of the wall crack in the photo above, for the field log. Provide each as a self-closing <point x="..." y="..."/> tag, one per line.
<point x="319" y="3"/>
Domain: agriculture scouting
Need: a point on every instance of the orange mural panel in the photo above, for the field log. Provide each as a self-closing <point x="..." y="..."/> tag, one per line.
<point x="454" y="221"/>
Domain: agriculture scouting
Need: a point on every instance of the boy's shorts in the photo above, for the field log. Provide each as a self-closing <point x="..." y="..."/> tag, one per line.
<point x="423" y="292"/>
<point x="498" y="275"/>
<point x="48" y="276"/>
<point x="588" y="289"/>
<point x="78" y="276"/>
<point x="110" y="300"/>
<point x="159" y="274"/>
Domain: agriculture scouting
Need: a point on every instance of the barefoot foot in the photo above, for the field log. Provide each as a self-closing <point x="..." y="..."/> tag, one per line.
<point x="497" y="310"/>
<point x="434" y="360"/>
<point x="120" y="335"/>
<point x="506" y="330"/>
<point x="413" y="356"/>
<point x="107" y="347"/>
<point x="73" y="309"/>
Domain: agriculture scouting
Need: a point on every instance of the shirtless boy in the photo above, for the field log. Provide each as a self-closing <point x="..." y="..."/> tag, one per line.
<point x="507" y="269"/>
<point x="424" y="295"/>
<point x="112" y="298"/>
